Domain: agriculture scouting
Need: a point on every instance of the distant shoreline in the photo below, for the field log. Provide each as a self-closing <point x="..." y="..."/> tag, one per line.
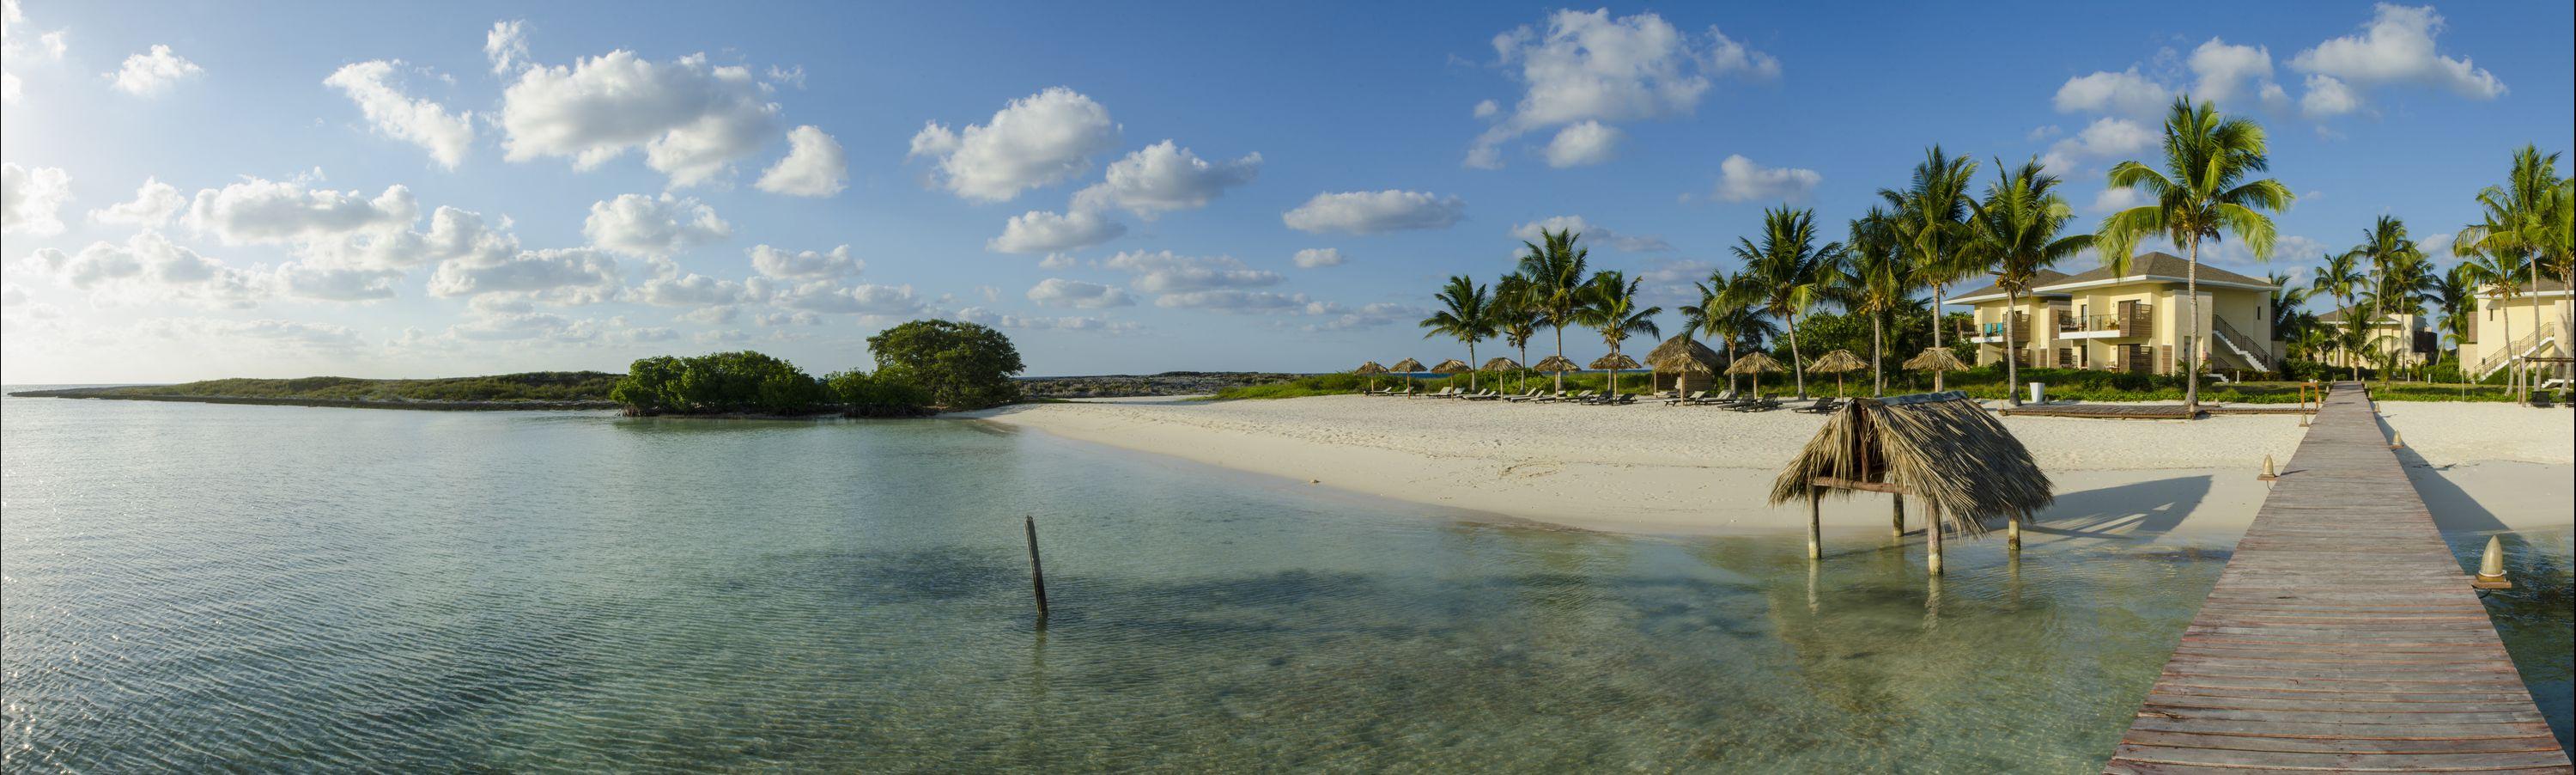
<point x="108" y="394"/>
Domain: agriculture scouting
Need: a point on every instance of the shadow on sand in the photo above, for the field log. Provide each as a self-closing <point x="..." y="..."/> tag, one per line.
<point x="2135" y="510"/>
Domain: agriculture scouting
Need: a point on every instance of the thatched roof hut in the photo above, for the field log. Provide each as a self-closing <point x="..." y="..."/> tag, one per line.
<point x="1406" y="366"/>
<point x="1370" y="367"/>
<point x="1555" y="363"/>
<point x="1683" y="356"/>
<point x="1754" y="363"/>
<point x="1935" y="359"/>
<point x="1501" y="364"/>
<point x="1451" y="366"/>
<point x="1940" y="448"/>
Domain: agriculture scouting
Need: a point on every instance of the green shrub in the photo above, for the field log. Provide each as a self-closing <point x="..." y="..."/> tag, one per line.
<point x="718" y="383"/>
<point x="960" y="365"/>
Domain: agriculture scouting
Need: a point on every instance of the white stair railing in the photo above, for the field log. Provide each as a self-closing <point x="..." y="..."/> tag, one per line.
<point x="2237" y="342"/>
<point x="2526" y="345"/>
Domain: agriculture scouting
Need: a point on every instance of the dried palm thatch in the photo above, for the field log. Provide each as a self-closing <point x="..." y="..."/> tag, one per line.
<point x="1406" y="366"/>
<point x="1683" y="357"/>
<point x="1370" y="367"/>
<point x="1836" y="362"/>
<point x="1935" y="359"/>
<point x="1754" y="362"/>
<point x="1614" y="362"/>
<point x="1451" y="366"/>
<point x="1556" y="363"/>
<point x="1501" y="364"/>
<point x="1938" y="447"/>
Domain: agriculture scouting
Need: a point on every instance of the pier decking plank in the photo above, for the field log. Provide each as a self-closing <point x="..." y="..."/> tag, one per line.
<point x="2342" y="636"/>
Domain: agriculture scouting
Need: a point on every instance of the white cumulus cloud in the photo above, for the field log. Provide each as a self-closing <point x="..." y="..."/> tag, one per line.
<point x="1741" y="180"/>
<point x="1371" y="212"/>
<point x="2103" y="139"/>
<point x="154" y="205"/>
<point x="31" y="200"/>
<point x="1034" y="141"/>
<point x="402" y="117"/>
<point x="2126" y="93"/>
<point x="1317" y="258"/>
<point x="692" y="120"/>
<point x="153" y="72"/>
<point x="804" y="264"/>
<point x="1592" y="234"/>
<point x="1038" y="231"/>
<point x="2223" y="69"/>
<point x="1060" y="292"/>
<point x="653" y="226"/>
<point x="1164" y="177"/>
<point x="815" y="165"/>
<point x="1588" y="66"/>
<point x="506" y="46"/>
<point x="1583" y="144"/>
<point x="2397" y="47"/>
<point x="147" y="268"/>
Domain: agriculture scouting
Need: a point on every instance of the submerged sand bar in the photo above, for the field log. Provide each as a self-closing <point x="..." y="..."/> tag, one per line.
<point x="1657" y="469"/>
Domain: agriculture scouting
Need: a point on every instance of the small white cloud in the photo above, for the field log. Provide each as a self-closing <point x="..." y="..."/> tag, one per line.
<point x="2397" y="47"/>
<point x="806" y="264"/>
<point x="1038" y="231"/>
<point x="1583" y="144"/>
<point x="1059" y="292"/>
<point x="825" y="297"/>
<point x="398" y="115"/>
<point x="1317" y="258"/>
<point x="153" y="72"/>
<point x="653" y="227"/>
<point x="692" y="290"/>
<point x="1741" y="180"/>
<point x="1592" y="235"/>
<point x="506" y="46"/>
<point x="2126" y="93"/>
<point x="1034" y="141"/>
<point x="1166" y="272"/>
<point x="154" y="205"/>
<point x="562" y="276"/>
<point x="2104" y="138"/>
<point x="31" y="200"/>
<point x="1057" y="261"/>
<point x="1487" y="108"/>
<point x="1232" y="301"/>
<point x="2328" y="96"/>
<point x="814" y="166"/>
<point x="2224" y="69"/>
<point x="1164" y="177"/>
<point x="1371" y="212"/>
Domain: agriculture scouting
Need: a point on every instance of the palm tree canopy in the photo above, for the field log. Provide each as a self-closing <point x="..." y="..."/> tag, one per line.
<point x="1468" y="313"/>
<point x="1556" y="270"/>
<point x="1786" y="272"/>
<point x="1928" y="219"/>
<point x="1610" y="306"/>
<point x="2203" y="192"/>
<point x="2017" y="231"/>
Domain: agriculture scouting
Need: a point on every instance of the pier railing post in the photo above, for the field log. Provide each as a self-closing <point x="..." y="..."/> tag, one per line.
<point x="1037" y="571"/>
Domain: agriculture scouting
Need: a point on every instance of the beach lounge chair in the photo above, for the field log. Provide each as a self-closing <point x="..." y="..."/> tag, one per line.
<point x="1447" y="392"/>
<point x="1695" y="397"/>
<point x="1761" y="404"/>
<point x="1821" y="406"/>
<point x="1721" y="399"/>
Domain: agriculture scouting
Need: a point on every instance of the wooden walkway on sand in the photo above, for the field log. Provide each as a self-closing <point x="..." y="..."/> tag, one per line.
<point x="2142" y="411"/>
<point x="2343" y="636"/>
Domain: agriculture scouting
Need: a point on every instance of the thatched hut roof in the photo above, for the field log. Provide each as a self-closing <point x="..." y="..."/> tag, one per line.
<point x="1370" y="367"/>
<point x="1753" y="362"/>
<point x="1556" y="363"/>
<point x="1406" y="366"/>
<point x="1935" y="359"/>
<point x="1939" y="447"/>
<point x="1684" y="354"/>
<point x="1614" y="361"/>
<point x="1451" y="366"/>
<point x="1838" y="360"/>
<point x="1501" y="364"/>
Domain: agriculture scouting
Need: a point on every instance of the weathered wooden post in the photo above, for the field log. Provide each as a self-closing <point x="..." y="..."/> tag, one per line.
<point x="1815" y="522"/>
<point x="1037" y="571"/>
<point x="2012" y="531"/>
<point x="1932" y="532"/>
<point x="1900" y="515"/>
<point x="2491" y="566"/>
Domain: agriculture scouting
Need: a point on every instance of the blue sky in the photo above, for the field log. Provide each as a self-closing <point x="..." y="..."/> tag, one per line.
<point x="603" y="206"/>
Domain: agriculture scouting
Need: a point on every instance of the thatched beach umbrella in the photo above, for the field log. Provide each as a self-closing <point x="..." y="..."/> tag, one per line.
<point x="1500" y="365"/>
<point x="1684" y="356"/>
<point x="1558" y="365"/>
<point x="1613" y="363"/>
<point x="1936" y="360"/>
<point x="1372" y="370"/>
<point x="1407" y="367"/>
<point x="1941" y="448"/>
<point x="1838" y="361"/>
<point x="1454" y="366"/>
<point x="1755" y="363"/>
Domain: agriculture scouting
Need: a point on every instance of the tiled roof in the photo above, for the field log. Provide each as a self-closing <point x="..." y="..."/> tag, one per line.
<point x="2161" y="264"/>
<point x="2041" y="278"/>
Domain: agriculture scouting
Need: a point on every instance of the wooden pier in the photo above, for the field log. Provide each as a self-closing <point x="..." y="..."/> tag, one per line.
<point x="2343" y="636"/>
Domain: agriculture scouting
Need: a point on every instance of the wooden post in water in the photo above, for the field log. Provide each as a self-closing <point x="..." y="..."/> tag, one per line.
<point x="2012" y="531"/>
<point x="1900" y="515"/>
<point x="1815" y="523"/>
<point x="1037" y="571"/>
<point x="1932" y="531"/>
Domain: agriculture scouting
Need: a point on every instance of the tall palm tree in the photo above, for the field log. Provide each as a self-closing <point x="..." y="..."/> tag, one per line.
<point x="1786" y="273"/>
<point x="1876" y="279"/>
<point x="2202" y="194"/>
<point x="1930" y="220"/>
<point x="1468" y="317"/>
<point x="1516" y="316"/>
<point x="2514" y="225"/>
<point x="2493" y="270"/>
<point x="1732" y="324"/>
<point x="2017" y="230"/>
<point x="1610" y="306"/>
<point x="2342" y="277"/>
<point x="1557" y="270"/>
<point x="2396" y="276"/>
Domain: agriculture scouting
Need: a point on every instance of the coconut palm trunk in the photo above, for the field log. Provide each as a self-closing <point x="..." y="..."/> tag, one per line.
<point x="1560" y="352"/>
<point x="1797" y="365"/>
<point x="2012" y="356"/>
<point x="1936" y="326"/>
<point x="2191" y="331"/>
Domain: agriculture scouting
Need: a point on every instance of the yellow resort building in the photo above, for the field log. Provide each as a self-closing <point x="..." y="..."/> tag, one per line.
<point x="2410" y="334"/>
<point x="2506" y="328"/>
<point x="2132" y="323"/>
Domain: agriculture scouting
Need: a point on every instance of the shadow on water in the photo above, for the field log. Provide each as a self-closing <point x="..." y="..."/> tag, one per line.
<point x="2136" y="510"/>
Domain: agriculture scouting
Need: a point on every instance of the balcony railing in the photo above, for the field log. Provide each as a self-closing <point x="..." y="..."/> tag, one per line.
<point x="2127" y="325"/>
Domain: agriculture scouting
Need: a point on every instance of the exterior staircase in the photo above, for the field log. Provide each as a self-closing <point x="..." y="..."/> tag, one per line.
<point x="2245" y="349"/>
<point x="2527" y="345"/>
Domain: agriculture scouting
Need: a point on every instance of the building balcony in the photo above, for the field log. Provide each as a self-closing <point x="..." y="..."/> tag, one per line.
<point x="2137" y="323"/>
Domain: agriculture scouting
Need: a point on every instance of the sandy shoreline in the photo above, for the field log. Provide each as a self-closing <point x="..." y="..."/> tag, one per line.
<point x="1695" y="470"/>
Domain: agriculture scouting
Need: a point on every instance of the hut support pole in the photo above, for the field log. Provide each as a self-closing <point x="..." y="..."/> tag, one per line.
<point x="2012" y="532"/>
<point x="1899" y="499"/>
<point x="1932" y="531"/>
<point x="1815" y="523"/>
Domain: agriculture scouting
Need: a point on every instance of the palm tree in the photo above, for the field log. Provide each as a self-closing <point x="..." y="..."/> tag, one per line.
<point x="2515" y="225"/>
<point x="1931" y="222"/>
<point x="1876" y="279"/>
<point x="1786" y="273"/>
<point x="2202" y="194"/>
<point x="2395" y="276"/>
<point x="2493" y="271"/>
<point x="1557" y="271"/>
<point x="1732" y="324"/>
<point x="2341" y="277"/>
<point x="1516" y="317"/>
<point x="1469" y="317"/>
<point x="2455" y="293"/>
<point x="2016" y="231"/>
<point x="1610" y="306"/>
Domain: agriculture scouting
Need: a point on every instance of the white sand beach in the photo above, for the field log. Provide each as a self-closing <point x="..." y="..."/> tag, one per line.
<point x="1690" y="470"/>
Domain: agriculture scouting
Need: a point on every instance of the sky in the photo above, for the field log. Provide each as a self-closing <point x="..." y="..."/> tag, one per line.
<point x="199" y="190"/>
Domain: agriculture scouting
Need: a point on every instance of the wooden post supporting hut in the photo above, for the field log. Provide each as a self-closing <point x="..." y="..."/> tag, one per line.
<point x="1955" y="459"/>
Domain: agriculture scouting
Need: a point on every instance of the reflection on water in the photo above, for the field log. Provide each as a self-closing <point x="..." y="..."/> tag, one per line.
<point x="199" y="587"/>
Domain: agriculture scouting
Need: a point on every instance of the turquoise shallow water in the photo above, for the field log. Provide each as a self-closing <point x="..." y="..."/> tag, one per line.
<point x="196" y="587"/>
